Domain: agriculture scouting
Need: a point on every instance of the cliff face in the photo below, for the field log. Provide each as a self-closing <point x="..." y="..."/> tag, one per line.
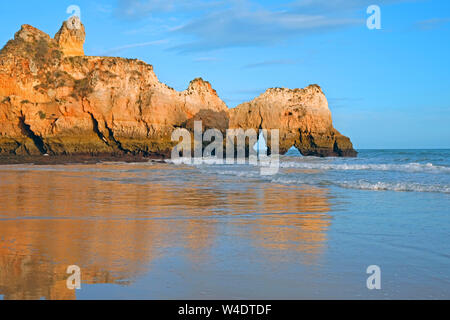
<point x="301" y="115"/>
<point x="55" y="100"/>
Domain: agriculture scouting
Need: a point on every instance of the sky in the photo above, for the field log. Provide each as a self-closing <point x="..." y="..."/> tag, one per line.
<point x="387" y="88"/>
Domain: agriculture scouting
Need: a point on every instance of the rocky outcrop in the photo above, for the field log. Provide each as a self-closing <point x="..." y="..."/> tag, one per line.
<point x="302" y="117"/>
<point x="71" y="36"/>
<point x="56" y="101"/>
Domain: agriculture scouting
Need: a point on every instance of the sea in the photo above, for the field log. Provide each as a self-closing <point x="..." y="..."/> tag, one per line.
<point x="317" y="229"/>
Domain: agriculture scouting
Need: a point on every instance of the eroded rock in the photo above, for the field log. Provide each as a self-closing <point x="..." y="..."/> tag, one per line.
<point x="71" y="36"/>
<point x="302" y="117"/>
<point x="55" y="100"/>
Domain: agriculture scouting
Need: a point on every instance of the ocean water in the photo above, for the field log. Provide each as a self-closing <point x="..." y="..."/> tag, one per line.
<point x="166" y="231"/>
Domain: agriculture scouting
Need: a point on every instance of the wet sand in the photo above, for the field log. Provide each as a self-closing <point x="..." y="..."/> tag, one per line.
<point x="159" y="231"/>
<point x="76" y="159"/>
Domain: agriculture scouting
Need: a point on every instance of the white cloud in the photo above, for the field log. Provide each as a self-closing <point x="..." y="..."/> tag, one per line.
<point x="135" y="9"/>
<point x="206" y="59"/>
<point x="134" y="45"/>
<point x="431" y="24"/>
<point x="336" y="6"/>
<point x="215" y="24"/>
<point x="248" y="26"/>
<point x="269" y="63"/>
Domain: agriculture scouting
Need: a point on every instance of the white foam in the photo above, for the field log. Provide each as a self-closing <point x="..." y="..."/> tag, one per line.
<point x="236" y="173"/>
<point x="366" y="185"/>
<point x="289" y="181"/>
<point x="409" y="167"/>
<point x="394" y="186"/>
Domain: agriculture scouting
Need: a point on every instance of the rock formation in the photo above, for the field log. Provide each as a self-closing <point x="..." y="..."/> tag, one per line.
<point x="302" y="117"/>
<point x="71" y="37"/>
<point x="54" y="100"/>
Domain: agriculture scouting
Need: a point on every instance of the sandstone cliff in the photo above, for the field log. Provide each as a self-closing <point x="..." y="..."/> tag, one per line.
<point x="71" y="36"/>
<point x="301" y="115"/>
<point x="54" y="100"/>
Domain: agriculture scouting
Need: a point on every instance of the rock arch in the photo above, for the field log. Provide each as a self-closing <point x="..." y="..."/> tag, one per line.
<point x="302" y="117"/>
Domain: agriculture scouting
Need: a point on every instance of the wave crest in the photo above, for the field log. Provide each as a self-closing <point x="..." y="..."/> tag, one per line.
<point x="394" y="186"/>
<point x="410" y="167"/>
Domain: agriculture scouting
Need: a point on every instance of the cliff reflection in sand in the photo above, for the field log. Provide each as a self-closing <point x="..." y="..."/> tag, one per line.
<point x="116" y="220"/>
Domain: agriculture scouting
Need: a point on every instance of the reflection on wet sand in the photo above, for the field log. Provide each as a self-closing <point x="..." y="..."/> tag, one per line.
<point x="289" y="218"/>
<point x="114" y="220"/>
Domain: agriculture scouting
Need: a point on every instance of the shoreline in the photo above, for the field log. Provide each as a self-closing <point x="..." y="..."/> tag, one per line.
<point x="42" y="160"/>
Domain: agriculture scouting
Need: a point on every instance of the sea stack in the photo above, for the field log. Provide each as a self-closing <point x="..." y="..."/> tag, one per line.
<point x="302" y="117"/>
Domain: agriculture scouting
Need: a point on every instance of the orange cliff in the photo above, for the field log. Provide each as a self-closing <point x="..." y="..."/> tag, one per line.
<point x="56" y="101"/>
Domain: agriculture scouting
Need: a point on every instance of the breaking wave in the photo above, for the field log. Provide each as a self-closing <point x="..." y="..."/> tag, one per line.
<point x="377" y="186"/>
<point x="410" y="167"/>
<point x="394" y="186"/>
<point x="379" y="171"/>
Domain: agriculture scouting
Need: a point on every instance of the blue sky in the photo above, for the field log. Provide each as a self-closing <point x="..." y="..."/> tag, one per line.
<point x="387" y="88"/>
